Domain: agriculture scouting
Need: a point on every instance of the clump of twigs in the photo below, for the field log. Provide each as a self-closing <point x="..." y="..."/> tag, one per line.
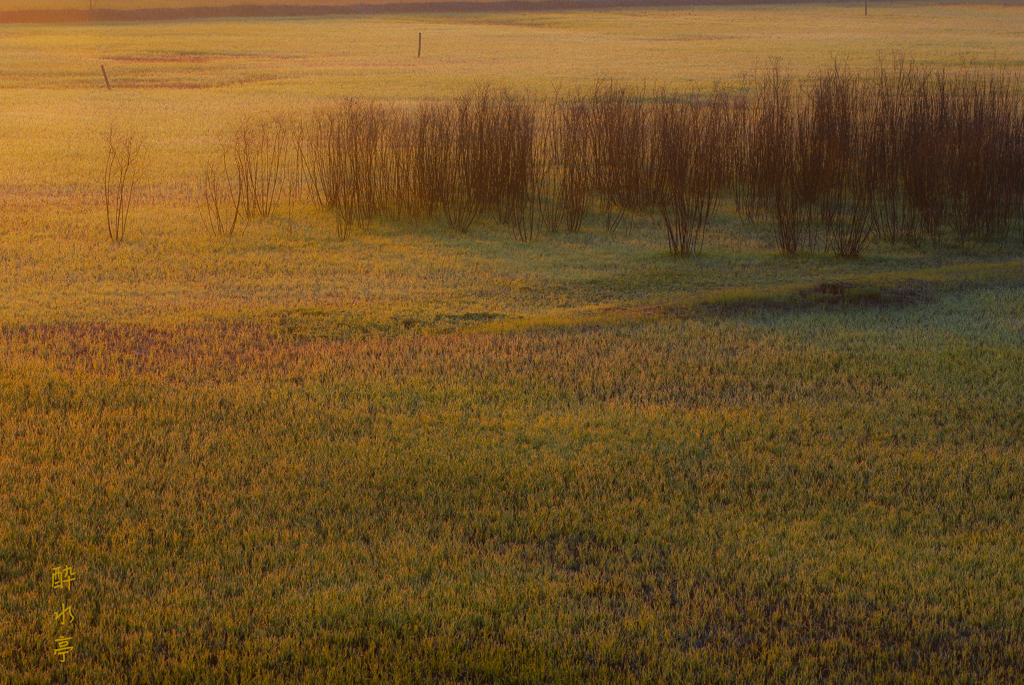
<point x="125" y="150"/>
<point x="690" y="166"/>
<point x="221" y="197"/>
<point x="621" y="133"/>
<point x="259" y="151"/>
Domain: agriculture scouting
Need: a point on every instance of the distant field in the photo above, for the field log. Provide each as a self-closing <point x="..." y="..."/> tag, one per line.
<point x="376" y="56"/>
<point x="14" y="5"/>
<point x="416" y="456"/>
<point x="176" y="10"/>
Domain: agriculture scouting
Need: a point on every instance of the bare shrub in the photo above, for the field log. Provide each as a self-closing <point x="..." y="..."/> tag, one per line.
<point x="575" y="152"/>
<point x="749" y="190"/>
<point x="904" y="154"/>
<point x="778" y="174"/>
<point x="358" y="164"/>
<point x="294" y="164"/>
<point x="516" y="184"/>
<point x="317" y="152"/>
<point x="837" y="178"/>
<point x="522" y="178"/>
<point x="563" y="164"/>
<point x="887" y="111"/>
<point x="430" y="159"/>
<point x="770" y="157"/>
<point x="259" y="147"/>
<point x="348" y="161"/>
<point x="984" y="157"/>
<point x="458" y="146"/>
<point x="691" y="166"/>
<point x="221" y="196"/>
<point x="547" y="169"/>
<point x="621" y="140"/>
<point x="125" y="161"/>
<point x="400" y="174"/>
<point x="925" y="177"/>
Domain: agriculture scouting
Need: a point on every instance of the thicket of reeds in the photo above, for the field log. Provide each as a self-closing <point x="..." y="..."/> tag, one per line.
<point x="902" y="154"/>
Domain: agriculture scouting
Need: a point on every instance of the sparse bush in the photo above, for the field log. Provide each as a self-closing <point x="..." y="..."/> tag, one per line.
<point x="516" y="186"/>
<point x="349" y="162"/>
<point x="221" y="196"/>
<point x="460" y="155"/>
<point x="779" y="173"/>
<point x="575" y="153"/>
<point x="547" y="170"/>
<point x="259" y="148"/>
<point x="620" y="130"/>
<point x="984" y="161"/>
<point x="905" y="153"/>
<point x="887" y="111"/>
<point x="294" y="164"/>
<point x="400" y="174"/>
<point x="357" y="165"/>
<point x="125" y="160"/>
<point x="690" y="160"/>
<point x="562" y="162"/>
<point x="838" y="178"/>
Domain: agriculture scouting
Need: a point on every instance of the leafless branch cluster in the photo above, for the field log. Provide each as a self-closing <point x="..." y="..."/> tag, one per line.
<point x="690" y="165"/>
<point x="903" y="154"/>
<point x="125" y="158"/>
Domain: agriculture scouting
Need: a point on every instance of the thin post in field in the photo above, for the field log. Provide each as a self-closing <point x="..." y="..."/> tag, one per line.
<point x="419" y="50"/>
<point x="105" y="79"/>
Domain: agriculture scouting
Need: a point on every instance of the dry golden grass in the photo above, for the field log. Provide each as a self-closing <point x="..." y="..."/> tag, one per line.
<point x="184" y="85"/>
<point x="415" y="456"/>
<point x="818" y="496"/>
<point x="127" y="5"/>
<point x="376" y="56"/>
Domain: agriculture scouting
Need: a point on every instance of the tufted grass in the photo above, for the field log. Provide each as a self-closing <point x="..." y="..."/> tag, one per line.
<point x="813" y="494"/>
<point x="417" y="456"/>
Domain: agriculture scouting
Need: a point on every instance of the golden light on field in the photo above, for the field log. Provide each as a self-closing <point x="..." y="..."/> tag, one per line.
<point x="411" y="454"/>
<point x="376" y="56"/>
<point x="186" y="84"/>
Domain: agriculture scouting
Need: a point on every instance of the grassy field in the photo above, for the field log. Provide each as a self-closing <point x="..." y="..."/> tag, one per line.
<point x="419" y="456"/>
<point x="123" y="5"/>
<point x="14" y="5"/>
